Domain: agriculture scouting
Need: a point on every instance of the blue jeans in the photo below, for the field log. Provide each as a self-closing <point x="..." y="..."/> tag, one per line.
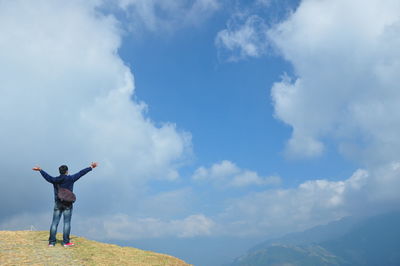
<point x="60" y="209"/>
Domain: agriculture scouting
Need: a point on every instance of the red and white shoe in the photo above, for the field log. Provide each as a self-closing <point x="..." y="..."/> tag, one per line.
<point x="51" y="245"/>
<point x="69" y="244"/>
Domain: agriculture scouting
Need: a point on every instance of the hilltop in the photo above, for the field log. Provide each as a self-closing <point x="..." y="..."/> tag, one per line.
<point x="30" y="248"/>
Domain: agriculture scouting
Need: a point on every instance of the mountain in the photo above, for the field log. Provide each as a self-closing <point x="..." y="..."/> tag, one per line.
<point x="372" y="241"/>
<point x="30" y="248"/>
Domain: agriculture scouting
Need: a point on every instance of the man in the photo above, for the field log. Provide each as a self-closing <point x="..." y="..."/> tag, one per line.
<point x="64" y="181"/>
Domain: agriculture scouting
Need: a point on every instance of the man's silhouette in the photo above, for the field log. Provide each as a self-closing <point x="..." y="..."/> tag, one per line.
<point x="64" y="181"/>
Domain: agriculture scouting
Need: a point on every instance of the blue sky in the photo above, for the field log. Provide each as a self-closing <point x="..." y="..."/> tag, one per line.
<point x="216" y="123"/>
<point x="225" y="105"/>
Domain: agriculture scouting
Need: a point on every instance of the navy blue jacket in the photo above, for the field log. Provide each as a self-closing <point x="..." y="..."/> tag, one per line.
<point x="64" y="181"/>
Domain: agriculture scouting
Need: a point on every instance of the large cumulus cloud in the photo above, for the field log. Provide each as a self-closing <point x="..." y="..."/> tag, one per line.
<point x="345" y="56"/>
<point x="67" y="97"/>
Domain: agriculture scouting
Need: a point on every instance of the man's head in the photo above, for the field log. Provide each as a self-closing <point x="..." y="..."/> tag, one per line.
<point x="63" y="169"/>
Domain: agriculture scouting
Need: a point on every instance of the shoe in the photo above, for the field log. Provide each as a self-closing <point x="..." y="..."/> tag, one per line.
<point x="51" y="245"/>
<point x="69" y="244"/>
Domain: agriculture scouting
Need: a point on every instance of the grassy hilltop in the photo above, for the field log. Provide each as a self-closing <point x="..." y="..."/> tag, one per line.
<point x="30" y="248"/>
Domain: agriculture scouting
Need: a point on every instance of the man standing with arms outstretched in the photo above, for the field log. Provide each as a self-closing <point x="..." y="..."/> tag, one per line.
<point x="64" y="181"/>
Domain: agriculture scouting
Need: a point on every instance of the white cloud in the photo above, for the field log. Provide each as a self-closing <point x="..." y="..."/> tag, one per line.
<point x="344" y="54"/>
<point x="314" y="202"/>
<point x="67" y="97"/>
<point x="168" y="14"/>
<point x="243" y="40"/>
<point x="227" y="174"/>
<point x="247" y="178"/>
<point x="278" y="211"/>
<point x="123" y="227"/>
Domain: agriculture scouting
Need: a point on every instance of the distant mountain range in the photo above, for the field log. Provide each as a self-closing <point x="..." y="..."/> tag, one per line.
<point x="373" y="241"/>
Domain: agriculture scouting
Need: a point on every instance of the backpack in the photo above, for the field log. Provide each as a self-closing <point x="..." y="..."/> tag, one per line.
<point x="66" y="196"/>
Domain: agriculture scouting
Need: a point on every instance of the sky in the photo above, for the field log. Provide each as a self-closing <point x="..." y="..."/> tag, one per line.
<point x="215" y="123"/>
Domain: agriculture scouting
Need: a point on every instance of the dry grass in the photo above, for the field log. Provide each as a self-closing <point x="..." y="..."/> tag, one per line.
<point x="30" y="248"/>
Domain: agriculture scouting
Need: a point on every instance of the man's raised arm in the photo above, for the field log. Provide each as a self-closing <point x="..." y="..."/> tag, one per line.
<point x="45" y="175"/>
<point x="83" y="172"/>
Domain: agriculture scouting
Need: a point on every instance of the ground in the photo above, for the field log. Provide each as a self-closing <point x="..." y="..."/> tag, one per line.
<point x="30" y="248"/>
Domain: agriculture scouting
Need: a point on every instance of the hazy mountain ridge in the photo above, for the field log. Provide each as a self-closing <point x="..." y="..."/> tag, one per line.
<point x="351" y="241"/>
<point x="314" y="235"/>
<point x="279" y="255"/>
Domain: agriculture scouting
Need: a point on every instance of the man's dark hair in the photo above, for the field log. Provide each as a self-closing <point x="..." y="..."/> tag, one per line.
<point x="63" y="169"/>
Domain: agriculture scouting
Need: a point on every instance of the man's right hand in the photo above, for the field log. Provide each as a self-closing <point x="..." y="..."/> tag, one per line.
<point x="36" y="168"/>
<point x="93" y="165"/>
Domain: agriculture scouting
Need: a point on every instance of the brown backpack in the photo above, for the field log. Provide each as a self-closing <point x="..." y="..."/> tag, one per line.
<point x="66" y="196"/>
